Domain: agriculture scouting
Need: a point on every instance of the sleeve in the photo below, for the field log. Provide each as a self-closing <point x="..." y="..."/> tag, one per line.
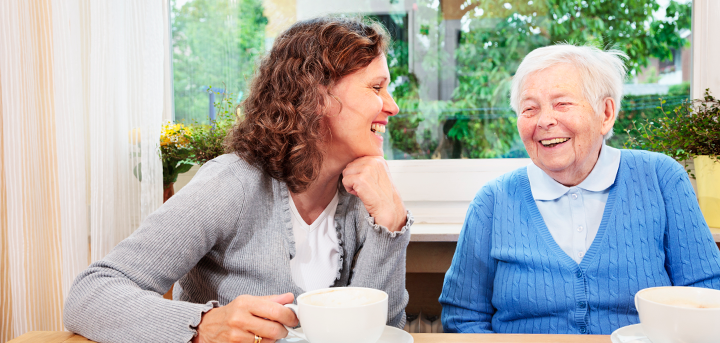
<point x="119" y="298"/>
<point x="467" y="291"/>
<point x="380" y="264"/>
<point x="691" y="256"/>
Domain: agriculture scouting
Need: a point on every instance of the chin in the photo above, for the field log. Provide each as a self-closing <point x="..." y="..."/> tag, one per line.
<point x="553" y="165"/>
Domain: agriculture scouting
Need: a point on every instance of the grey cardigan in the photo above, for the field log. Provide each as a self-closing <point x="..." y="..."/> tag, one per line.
<point x="227" y="233"/>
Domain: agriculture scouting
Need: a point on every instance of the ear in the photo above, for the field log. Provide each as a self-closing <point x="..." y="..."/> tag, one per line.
<point x="332" y="105"/>
<point x="608" y="115"/>
<point x="326" y="106"/>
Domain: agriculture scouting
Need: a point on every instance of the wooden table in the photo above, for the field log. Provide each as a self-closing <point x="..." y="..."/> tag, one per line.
<point x="62" y="337"/>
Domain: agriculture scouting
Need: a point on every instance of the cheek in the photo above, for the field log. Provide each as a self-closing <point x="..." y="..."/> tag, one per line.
<point x="585" y="128"/>
<point x="526" y="128"/>
<point x="373" y="107"/>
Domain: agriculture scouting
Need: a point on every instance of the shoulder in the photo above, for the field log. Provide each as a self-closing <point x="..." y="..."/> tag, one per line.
<point x="230" y="171"/>
<point x="503" y="186"/>
<point x="662" y="165"/>
<point x="224" y="181"/>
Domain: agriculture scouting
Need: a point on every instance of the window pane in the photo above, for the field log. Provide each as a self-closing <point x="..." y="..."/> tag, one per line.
<point x="451" y="61"/>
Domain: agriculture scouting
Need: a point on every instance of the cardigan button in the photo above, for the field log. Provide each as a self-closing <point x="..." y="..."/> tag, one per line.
<point x="581" y="304"/>
<point x="583" y="329"/>
<point x="579" y="275"/>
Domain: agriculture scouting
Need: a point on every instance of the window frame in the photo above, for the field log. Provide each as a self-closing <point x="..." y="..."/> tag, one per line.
<point x="438" y="192"/>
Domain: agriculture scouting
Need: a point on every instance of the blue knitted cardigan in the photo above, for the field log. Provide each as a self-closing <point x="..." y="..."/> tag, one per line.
<point x="509" y="276"/>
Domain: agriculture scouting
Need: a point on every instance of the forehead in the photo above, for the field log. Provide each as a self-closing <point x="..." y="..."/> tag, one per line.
<point x="558" y="80"/>
<point x="377" y="68"/>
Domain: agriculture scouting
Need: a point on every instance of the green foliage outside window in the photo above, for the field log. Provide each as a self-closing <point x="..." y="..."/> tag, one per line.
<point x="219" y="42"/>
<point x="214" y="42"/>
<point x="477" y="122"/>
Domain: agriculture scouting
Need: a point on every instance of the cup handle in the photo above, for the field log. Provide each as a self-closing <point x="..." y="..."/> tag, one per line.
<point x="292" y="331"/>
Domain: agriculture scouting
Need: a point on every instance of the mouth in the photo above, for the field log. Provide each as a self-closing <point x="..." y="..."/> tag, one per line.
<point x="549" y="143"/>
<point x="377" y="129"/>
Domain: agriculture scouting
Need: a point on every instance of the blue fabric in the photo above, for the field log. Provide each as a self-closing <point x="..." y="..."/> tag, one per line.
<point x="573" y="214"/>
<point x="509" y="276"/>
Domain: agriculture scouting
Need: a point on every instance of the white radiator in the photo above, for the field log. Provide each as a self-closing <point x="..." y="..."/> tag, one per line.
<point x="420" y="323"/>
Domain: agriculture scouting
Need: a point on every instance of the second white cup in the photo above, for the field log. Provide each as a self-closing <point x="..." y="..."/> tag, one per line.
<point x="677" y="314"/>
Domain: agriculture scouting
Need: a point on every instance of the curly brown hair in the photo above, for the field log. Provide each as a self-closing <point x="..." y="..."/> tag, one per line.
<point x="282" y="129"/>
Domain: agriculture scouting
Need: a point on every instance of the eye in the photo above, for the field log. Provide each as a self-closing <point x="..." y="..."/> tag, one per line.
<point x="377" y="88"/>
<point x="528" y="111"/>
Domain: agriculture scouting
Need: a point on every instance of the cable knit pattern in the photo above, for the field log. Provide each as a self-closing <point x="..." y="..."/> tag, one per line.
<point x="509" y="276"/>
<point x="227" y="233"/>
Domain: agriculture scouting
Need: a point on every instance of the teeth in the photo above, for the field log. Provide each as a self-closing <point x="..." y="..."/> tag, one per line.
<point x="554" y="141"/>
<point x="375" y="127"/>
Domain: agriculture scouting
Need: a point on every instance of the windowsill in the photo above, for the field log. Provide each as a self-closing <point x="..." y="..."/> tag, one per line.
<point x="716" y="234"/>
<point x="435" y="232"/>
<point x="451" y="232"/>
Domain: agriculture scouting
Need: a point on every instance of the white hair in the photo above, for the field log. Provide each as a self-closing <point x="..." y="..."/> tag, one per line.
<point x="602" y="73"/>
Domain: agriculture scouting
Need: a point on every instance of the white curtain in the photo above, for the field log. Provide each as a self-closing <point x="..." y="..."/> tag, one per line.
<point x="705" y="48"/>
<point x="82" y="85"/>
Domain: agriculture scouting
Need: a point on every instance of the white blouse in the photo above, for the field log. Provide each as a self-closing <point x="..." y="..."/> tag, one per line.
<point x="573" y="214"/>
<point x="315" y="264"/>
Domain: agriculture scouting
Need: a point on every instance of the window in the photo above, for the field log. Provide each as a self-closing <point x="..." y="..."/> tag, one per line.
<point x="451" y="60"/>
<point x="451" y="63"/>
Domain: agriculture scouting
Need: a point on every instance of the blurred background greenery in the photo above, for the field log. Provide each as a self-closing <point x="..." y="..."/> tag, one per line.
<point x="451" y="61"/>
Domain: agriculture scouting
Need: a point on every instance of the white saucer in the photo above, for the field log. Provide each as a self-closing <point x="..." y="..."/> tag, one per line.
<point x="629" y="334"/>
<point x="390" y="335"/>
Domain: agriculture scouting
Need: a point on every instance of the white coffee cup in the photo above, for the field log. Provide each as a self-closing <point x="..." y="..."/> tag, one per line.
<point x="341" y="314"/>
<point x="679" y="314"/>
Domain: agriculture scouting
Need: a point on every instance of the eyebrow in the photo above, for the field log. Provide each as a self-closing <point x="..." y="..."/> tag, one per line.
<point x="553" y="96"/>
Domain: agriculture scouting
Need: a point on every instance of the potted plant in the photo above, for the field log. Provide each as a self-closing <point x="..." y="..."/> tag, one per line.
<point x="208" y="140"/>
<point x="184" y="145"/>
<point x="175" y="152"/>
<point x="690" y="132"/>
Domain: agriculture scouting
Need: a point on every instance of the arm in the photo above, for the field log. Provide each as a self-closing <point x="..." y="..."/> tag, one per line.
<point x="467" y="292"/>
<point x="691" y="256"/>
<point x="380" y="264"/>
<point x="119" y="298"/>
<point x="385" y="222"/>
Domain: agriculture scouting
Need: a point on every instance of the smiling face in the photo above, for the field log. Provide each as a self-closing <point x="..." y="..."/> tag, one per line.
<point x="559" y="127"/>
<point x="356" y="127"/>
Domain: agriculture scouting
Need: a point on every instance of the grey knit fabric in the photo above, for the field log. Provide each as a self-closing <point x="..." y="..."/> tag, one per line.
<point x="227" y="233"/>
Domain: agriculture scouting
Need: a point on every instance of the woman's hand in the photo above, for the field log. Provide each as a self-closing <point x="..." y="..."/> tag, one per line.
<point x="368" y="178"/>
<point x="247" y="316"/>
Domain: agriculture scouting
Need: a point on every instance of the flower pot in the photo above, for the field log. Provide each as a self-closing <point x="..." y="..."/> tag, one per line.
<point x="168" y="191"/>
<point x="707" y="174"/>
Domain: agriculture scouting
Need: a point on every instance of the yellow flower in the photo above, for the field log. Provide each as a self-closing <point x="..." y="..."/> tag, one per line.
<point x="175" y="134"/>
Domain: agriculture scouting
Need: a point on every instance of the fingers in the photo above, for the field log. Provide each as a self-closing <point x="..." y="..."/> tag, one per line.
<point x="267" y="329"/>
<point x="367" y="163"/>
<point x="270" y="307"/>
<point x="367" y="174"/>
<point x="281" y="299"/>
<point x="246" y="337"/>
<point x="369" y="179"/>
<point x="247" y="316"/>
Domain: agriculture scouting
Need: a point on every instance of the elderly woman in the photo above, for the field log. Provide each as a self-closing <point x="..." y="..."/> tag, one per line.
<point x="303" y="202"/>
<point x="562" y="245"/>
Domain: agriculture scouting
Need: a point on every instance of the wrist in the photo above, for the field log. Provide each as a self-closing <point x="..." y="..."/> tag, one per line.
<point x="199" y="329"/>
<point x="399" y="219"/>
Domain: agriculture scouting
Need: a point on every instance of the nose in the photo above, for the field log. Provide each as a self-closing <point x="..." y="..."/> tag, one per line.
<point x="546" y="119"/>
<point x="389" y="106"/>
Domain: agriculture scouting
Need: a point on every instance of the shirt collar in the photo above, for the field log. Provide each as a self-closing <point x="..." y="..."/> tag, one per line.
<point x="602" y="176"/>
